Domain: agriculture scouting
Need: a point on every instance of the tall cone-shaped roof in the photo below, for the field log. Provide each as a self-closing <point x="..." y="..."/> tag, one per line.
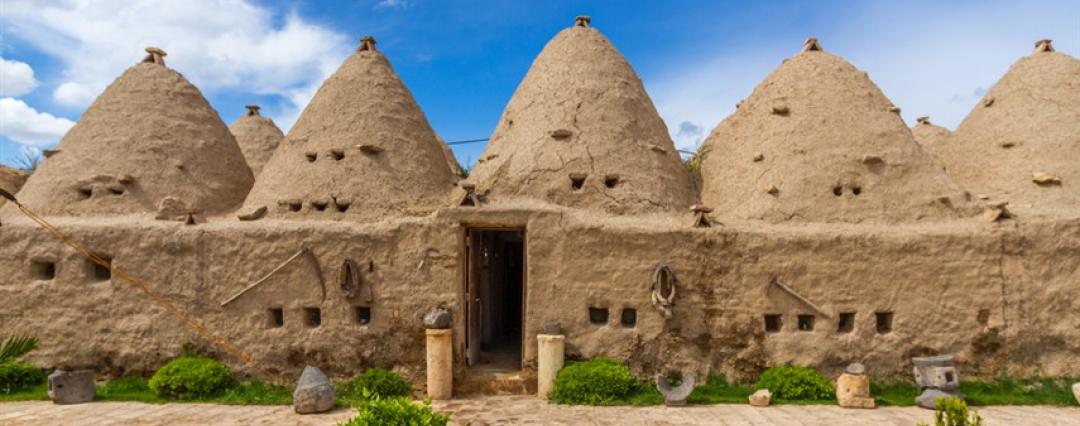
<point x="11" y="180"/>
<point x="149" y="136"/>
<point x="1021" y="143"/>
<point x="361" y="150"/>
<point x="930" y="136"/>
<point x="580" y="131"/>
<point x="257" y="136"/>
<point x="817" y="141"/>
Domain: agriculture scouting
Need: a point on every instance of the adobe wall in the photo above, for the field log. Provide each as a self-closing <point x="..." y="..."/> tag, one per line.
<point x="1001" y="297"/>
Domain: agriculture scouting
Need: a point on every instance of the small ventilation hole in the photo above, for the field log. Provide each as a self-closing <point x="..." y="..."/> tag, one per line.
<point x="628" y="318"/>
<point x="86" y="192"/>
<point x="311" y="156"/>
<point x="846" y="323"/>
<point x="319" y="205"/>
<point x="611" y="181"/>
<point x="275" y="317"/>
<point x="43" y="269"/>
<point x="577" y="181"/>
<point x="884" y="322"/>
<point x="337" y="154"/>
<point x="837" y="190"/>
<point x="294" y="206"/>
<point x="806" y="322"/>
<point x="341" y="207"/>
<point x="773" y="323"/>
<point x="363" y="315"/>
<point x="312" y="317"/>
<point x="99" y="272"/>
<point x="116" y="191"/>
<point x="856" y="190"/>
<point x="598" y="316"/>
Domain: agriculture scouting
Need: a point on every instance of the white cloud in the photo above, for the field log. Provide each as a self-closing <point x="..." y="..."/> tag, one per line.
<point x="231" y="45"/>
<point x="391" y="4"/>
<point x="75" y="94"/>
<point x="25" y="125"/>
<point x="16" y="78"/>
<point x="937" y="61"/>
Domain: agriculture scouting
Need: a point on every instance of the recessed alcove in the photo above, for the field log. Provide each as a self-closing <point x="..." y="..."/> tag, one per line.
<point x="884" y="322"/>
<point x="805" y="322"/>
<point x="773" y="323"/>
<point x="275" y="317"/>
<point x="42" y="270"/>
<point x="598" y="316"/>
<point x="628" y="317"/>
<point x="312" y="317"/>
<point x="362" y="315"/>
<point x="846" y="323"/>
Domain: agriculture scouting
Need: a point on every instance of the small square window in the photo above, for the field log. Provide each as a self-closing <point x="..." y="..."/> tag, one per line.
<point x="312" y="317"/>
<point x="806" y="322"/>
<point x="43" y="270"/>
<point x="773" y="323"/>
<point x="275" y="317"/>
<point x="363" y="315"/>
<point x="99" y="272"/>
<point x="846" y="323"/>
<point x="884" y="322"/>
<point x="628" y="318"/>
<point x="598" y="315"/>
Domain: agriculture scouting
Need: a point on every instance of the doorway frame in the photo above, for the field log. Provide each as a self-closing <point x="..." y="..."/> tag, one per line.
<point x="471" y="339"/>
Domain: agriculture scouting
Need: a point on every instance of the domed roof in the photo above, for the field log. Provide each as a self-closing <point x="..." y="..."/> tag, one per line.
<point x="361" y="150"/>
<point x="581" y="132"/>
<point x="817" y="141"/>
<point x="1021" y="143"/>
<point x="930" y="136"/>
<point x="149" y="136"/>
<point x="257" y="136"/>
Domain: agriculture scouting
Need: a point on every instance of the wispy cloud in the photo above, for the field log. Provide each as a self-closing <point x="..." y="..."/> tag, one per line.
<point x="231" y="45"/>
<point x="25" y="125"/>
<point x="392" y="4"/>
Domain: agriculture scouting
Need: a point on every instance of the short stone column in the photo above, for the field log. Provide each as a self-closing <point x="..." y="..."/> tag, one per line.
<point x="440" y="363"/>
<point x="550" y="354"/>
<point x="71" y="387"/>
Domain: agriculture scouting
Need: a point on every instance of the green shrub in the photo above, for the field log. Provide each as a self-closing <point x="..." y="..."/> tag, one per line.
<point x="792" y="382"/>
<point x="954" y="412"/>
<point x="17" y="375"/>
<point x="191" y="377"/>
<point x="598" y="381"/>
<point x="15" y="347"/>
<point x="398" y="411"/>
<point x="376" y="382"/>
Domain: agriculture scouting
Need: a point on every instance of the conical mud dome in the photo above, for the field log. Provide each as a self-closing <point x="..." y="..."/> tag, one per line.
<point x="149" y="136"/>
<point x="1021" y="143"/>
<point x="11" y="180"/>
<point x="257" y="136"/>
<point x="817" y="141"/>
<point x="930" y="136"/>
<point x="361" y="150"/>
<point x="580" y="131"/>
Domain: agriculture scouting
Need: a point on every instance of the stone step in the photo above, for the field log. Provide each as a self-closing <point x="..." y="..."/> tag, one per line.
<point x="480" y="381"/>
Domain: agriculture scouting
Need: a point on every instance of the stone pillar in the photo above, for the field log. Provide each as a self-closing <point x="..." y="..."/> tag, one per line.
<point x="440" y="363"/>
<point x="550" y="351"/>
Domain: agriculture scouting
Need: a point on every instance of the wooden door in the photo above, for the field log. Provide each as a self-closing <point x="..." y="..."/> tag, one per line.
<point x="472" y="297"/>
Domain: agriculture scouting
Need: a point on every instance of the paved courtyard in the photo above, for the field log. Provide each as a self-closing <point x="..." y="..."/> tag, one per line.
<point x="514" y="410"/>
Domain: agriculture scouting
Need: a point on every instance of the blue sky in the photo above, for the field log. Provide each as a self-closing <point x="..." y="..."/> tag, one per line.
<point x="463" y="60"/>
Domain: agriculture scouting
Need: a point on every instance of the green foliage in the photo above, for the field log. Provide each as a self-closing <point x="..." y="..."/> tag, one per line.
<point x="191" y="377"/>
<point x="792" y="382"/>
<point x="693" y="164"/>
<point x="127" y="388"/>
<point x="1020" y="391"/>
<point x="256" y="392"/>
<point x="375" y="382"/>
<point x="900" y="393"/>
<point x="599" y="381"/>
<point x="717" y="390"/>
<point x="36" y="393"/>
<point x="397" y="411"/>
<point x="954" y="412"/>
<point x="16" y="346"/>
<point x="16" y="376"/>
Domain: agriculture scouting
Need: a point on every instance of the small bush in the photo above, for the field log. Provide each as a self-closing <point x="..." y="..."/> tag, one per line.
<point x="598" y="381"/>
<point x="796" y="383"/>
<point x="376" y="411"/>
<point x="17" y="375"/>
<point x="376" y="382"/>
<point x="954" y="412"/>
<point x="191" y="377"/>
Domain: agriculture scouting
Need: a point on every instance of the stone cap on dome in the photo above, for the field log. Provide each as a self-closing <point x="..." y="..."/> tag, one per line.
<point x="155" y="55"/>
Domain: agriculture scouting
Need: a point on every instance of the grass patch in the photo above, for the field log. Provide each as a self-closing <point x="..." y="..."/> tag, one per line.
<point x="717" y="390"/>
<point x="897" y="393"/>
<point x="128" y="388"/>
<point x="257" y="393"/>
<point x="35" y="393"/>
<point x="1025" y="391"/>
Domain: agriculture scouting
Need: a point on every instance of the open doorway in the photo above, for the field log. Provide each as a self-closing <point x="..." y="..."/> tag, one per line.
<point x="495" y="296"/>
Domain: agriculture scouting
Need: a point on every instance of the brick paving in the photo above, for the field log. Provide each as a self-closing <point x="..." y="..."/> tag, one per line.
<point x="515" y="410"/>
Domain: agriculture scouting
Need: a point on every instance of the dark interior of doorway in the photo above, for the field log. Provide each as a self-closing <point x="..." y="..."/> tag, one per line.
<point x="501" y="290"/>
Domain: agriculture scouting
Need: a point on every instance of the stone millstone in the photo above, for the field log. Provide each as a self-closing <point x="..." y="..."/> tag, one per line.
<point x="314" y="393"/>
<point x="1076" y="392"/>
<point x="71" y="387"/>
<point x="929" y="398"/>
<point x="675" y="396"/>
<point x="437" y="319"/>
<point x="761" y="398"/>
